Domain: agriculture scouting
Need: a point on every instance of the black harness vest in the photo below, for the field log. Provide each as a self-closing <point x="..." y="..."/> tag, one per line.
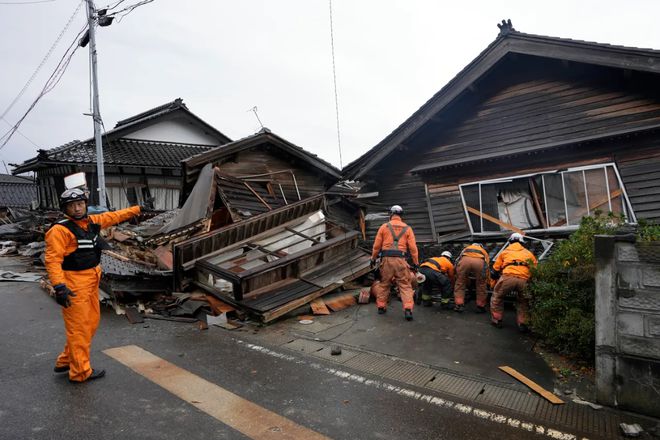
<point x="394" y="251"/>
<point x="90" y="244"/>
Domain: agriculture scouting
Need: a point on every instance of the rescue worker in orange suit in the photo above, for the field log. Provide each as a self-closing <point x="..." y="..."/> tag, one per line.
<point x="395" y="241"/>
<point x="73" y="256"/>
<point x="439" y="271"/>
<point x="474" y="261"/>
<point x="512" y="268"/>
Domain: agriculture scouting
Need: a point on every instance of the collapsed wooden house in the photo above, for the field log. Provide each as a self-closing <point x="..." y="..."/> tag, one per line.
<point x="274" y="262"/>
<point x="532" y="135"/>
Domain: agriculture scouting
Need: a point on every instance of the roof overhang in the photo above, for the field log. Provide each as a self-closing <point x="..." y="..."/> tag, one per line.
<point x="635" y="59"/>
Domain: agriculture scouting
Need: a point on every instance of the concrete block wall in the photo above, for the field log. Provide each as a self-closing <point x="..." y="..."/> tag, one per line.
<point x="628" y="324"/>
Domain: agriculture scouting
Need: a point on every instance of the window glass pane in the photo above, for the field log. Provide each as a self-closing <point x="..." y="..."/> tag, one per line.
<point x="554" y="197"/>
<point x="615" y="188"/>
<point x="597" y="191"/>
<point x="576" y="200"/>
<point x="471" y="196"/>
<point x="515" y="204"/>
<point x="489" y="206"/>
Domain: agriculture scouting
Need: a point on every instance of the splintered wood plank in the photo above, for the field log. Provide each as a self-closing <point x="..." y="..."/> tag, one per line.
<point x="340" y="302"/>
<point x="319" y="307"/>
<point x="533" y="385"/>
<point x="218" y="306"/>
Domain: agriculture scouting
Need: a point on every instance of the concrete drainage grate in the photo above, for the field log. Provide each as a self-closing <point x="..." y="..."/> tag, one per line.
<point x="525" y="403"/>
<point x="370" y="363"/>
<point x="455" y="385"/>
<point x="409" y="373"/>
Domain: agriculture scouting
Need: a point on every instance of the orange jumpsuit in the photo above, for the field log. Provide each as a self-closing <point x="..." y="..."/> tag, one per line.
<point x="473" y="260"/>
<point x="439" y="271"/>
<point x="395" y="268"/>
<point x="513" y="262"/>
<point x="82" y="317"/>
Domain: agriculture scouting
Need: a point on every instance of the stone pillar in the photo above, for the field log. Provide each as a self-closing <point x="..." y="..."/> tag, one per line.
<point x="604" y="252"/>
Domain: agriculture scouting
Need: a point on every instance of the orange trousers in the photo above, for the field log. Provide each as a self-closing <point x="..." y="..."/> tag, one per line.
<point x="394" y="270"/>
<point x="467" y="266"/>
<point x="506" y="284"/>
<point x="81" y="319"/>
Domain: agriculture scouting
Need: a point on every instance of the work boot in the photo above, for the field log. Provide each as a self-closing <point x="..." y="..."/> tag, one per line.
<point x="63" y="369"/>
<point x="496" y="323"/>
<point x="96" y="374"/>
<point x="408" y="314"/>
<point x="427" y="303"/>
<point x="523" y="328"/>
<point x="459" y="308"/>
<point x="480" y="309"/>
<point x="418" y="298"/>
<point x="381" y="310"/>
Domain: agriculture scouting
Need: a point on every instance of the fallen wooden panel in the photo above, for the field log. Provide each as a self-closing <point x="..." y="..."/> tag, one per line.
<point x="218" y="307"/>
<point x="164" y="255"/>
<point x="533" y="385"/>
<point x="341" y="302"/>
<point x="319" y="307"/>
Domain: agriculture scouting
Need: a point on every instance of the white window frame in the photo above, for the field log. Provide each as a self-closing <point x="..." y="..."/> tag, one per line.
<point x="628" y="212"/>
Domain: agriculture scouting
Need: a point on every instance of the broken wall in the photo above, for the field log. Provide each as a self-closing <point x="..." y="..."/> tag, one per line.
<point x="628" y="324"/>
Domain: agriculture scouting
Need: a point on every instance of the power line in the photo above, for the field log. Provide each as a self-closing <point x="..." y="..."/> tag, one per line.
<point x="26" y="3"/>
<point x="21" y="134"/>
<point x="127" y="10"/>
<point x="43" y="61"/>
<point x="52" y="81"/>
<point x="334" y="76"/>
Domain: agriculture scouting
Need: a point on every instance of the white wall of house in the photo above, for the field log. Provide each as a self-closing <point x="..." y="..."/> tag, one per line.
<point x="174" y="130"/>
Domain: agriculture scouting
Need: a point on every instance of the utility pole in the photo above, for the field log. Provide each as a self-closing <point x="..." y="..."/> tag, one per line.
<point x="96" y="113"/>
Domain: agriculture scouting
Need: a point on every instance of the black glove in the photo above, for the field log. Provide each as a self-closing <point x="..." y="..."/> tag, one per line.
<point x="62" y="294"/>
<point x="372" y="264"/>
<point x="414" y="267"/>
<point x="494" y="274"/>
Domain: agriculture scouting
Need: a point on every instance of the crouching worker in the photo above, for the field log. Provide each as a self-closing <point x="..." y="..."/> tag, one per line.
<point x="394" y="242"/>
<point x="512" y="268"/>
<point x="73" y="257"/>
<point x="474" y="261"/>
<point x="439" y="272"/>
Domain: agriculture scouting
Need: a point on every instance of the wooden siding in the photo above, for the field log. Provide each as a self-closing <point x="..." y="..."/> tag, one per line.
<point x="542" y="110"/>
<point x="641" y="179"/>
<point x="447" y="208"/>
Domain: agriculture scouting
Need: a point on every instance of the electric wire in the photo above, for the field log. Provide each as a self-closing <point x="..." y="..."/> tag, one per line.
<point x="43" y="61"/>
<point x="334" y="76"/>
<point x="127" y="10"/>
<point x="20" y="133"/>
<point x="27" y="3"/>
<point x="51" y="83"/>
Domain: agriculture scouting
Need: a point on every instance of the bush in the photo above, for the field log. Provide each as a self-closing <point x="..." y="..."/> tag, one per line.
<point x="563" y="290"/>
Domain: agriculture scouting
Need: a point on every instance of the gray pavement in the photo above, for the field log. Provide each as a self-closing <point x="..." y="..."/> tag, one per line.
<point x="339" y="398"/>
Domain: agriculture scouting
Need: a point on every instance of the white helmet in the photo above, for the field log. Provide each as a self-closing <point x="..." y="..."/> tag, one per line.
<point x="517" y="237"/>
<point x="396" y="209"/>
<point x="446" y="254"/>
<point x="478" y="244"/>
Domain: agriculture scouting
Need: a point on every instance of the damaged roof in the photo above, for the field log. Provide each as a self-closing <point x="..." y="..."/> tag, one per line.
<point x="120" y="150"/>
<point x="123" y="151"/>
<point x="508" y="42"/>
<point x="16" y="192"/>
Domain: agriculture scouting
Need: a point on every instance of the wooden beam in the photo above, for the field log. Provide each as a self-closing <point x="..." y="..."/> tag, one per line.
<point x="534" y="386"/>
<point x="258" y="196"/>
<point x="537" y="203"/>
<point x="307" y="237"/>
<point x="497" y="221"/>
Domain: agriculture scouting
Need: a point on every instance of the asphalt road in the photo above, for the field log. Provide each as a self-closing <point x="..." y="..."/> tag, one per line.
<point x="38" y="404"/>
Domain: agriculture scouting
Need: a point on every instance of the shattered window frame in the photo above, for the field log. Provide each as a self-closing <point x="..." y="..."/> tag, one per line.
<point x="578" y="181"/>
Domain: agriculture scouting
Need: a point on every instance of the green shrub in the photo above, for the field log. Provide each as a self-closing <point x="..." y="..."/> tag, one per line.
<point x="648" y="231"/>
<point x="563" y="290"/>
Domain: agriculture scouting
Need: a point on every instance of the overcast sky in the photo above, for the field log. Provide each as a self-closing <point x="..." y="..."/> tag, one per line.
<point x="225" y="57"/>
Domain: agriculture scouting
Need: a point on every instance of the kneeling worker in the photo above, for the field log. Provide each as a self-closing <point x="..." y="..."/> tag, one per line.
<point x="395" y="241"/>
<point x="513" y="265"/>
<point x="73" y="257"/>
<point x="439" y="271"/>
